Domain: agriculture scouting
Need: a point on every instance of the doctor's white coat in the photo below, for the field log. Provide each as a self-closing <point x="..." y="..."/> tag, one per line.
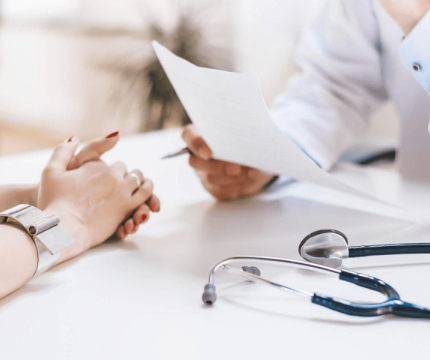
<point x="352" y="63"/>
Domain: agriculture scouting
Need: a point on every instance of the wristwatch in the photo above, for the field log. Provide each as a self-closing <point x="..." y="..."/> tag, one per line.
<point x="49" y="237"/>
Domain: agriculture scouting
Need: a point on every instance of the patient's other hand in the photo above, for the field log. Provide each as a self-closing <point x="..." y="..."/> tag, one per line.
<point x="93" y="151"/>
<point x="224" y="180"/>
<point x="91" y="201"/>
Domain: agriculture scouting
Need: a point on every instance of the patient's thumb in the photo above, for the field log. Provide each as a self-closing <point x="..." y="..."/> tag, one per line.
<point x="62" y="155"/>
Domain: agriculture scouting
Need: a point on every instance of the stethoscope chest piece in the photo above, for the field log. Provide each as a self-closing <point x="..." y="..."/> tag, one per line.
<point x="325" y="247"/>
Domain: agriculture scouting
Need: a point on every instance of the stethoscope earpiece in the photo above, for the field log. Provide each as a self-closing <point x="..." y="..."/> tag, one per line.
<point x="209" y="294"/>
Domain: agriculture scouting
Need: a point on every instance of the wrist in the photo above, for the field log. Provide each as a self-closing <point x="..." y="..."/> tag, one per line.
<point x="25" y="194"/>
<point x="73" y="226"/>
<point x="28" y="194"/>
<point x="13" y="195"/>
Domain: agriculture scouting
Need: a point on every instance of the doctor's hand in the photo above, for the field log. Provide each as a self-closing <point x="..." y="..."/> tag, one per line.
<point x="224" y="180"/>
<point x="406" y="13"/>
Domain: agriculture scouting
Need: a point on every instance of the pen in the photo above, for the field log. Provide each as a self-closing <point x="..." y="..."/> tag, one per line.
<point x="185" y="150"/>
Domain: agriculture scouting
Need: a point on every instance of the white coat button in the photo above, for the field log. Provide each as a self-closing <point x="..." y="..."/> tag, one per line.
<point x="416" y="67"/>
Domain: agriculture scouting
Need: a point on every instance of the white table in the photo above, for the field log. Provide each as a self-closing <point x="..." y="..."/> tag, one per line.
<point x="141" y="299"/>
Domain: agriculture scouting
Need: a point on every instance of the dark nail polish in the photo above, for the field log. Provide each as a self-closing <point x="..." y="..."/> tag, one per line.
<point x="71" y="139"/>
<point x="112" y="135"/>
<point x="144" y="217"/>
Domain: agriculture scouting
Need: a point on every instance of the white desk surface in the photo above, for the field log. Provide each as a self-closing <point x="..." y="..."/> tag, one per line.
<point x="141" y="299"/>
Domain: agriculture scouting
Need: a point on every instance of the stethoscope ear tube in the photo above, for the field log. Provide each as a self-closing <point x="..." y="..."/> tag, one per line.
<point x="393" y="304"/>
<point x="349" y="308"/>
<point x="369" y="282"/>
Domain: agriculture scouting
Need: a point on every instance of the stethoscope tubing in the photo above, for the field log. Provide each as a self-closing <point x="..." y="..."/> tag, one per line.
<point x="388" y="249"/>
<point x="393" y="304"/>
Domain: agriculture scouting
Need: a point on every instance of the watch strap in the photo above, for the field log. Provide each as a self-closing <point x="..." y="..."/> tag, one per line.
<point x="49" y="237"/>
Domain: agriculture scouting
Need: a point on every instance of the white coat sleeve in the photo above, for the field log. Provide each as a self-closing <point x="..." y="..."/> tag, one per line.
<point x="326" y="108"/>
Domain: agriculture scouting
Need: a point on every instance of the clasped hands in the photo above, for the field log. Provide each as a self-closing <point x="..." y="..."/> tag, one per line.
<point x="93" y="200"/>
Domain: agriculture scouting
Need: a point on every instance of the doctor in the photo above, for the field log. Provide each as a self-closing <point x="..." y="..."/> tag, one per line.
<point x="354" y="57"/>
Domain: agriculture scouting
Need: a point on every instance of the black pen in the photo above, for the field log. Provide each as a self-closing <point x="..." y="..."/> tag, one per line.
<point x="185" y="150"/>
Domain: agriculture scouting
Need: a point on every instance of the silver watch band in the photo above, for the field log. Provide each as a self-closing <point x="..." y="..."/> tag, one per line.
<point x="49" y="237"/>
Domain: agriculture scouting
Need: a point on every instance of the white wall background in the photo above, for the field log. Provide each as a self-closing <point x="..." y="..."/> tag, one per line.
<point x="45" y="79"/>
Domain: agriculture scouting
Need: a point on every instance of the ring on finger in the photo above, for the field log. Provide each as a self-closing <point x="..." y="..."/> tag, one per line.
<point x="138" y="182"/>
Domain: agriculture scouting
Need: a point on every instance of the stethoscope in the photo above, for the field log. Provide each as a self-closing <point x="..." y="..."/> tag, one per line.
<point x="330" y="246"/>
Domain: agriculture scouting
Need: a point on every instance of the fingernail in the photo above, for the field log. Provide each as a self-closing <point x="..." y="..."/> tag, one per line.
<point x="233" y="169"/>
<point x="144" y="217"/>
<point x="112" y="135"/>
<point x="253" y="173"/>
<point x="71" y="139"/>
<point x="204" y="153"/>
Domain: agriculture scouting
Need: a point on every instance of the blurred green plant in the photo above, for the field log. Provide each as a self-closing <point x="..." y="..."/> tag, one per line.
<point x="146" y="80"/>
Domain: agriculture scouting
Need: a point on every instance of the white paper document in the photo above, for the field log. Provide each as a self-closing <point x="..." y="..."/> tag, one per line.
<point x="230" y="113"/>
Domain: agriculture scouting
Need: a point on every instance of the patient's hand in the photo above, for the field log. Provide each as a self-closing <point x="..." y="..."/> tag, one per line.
<point x="93" y="152"/>
<point x="93" y="200"/>
<point x="225" y="181"/>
